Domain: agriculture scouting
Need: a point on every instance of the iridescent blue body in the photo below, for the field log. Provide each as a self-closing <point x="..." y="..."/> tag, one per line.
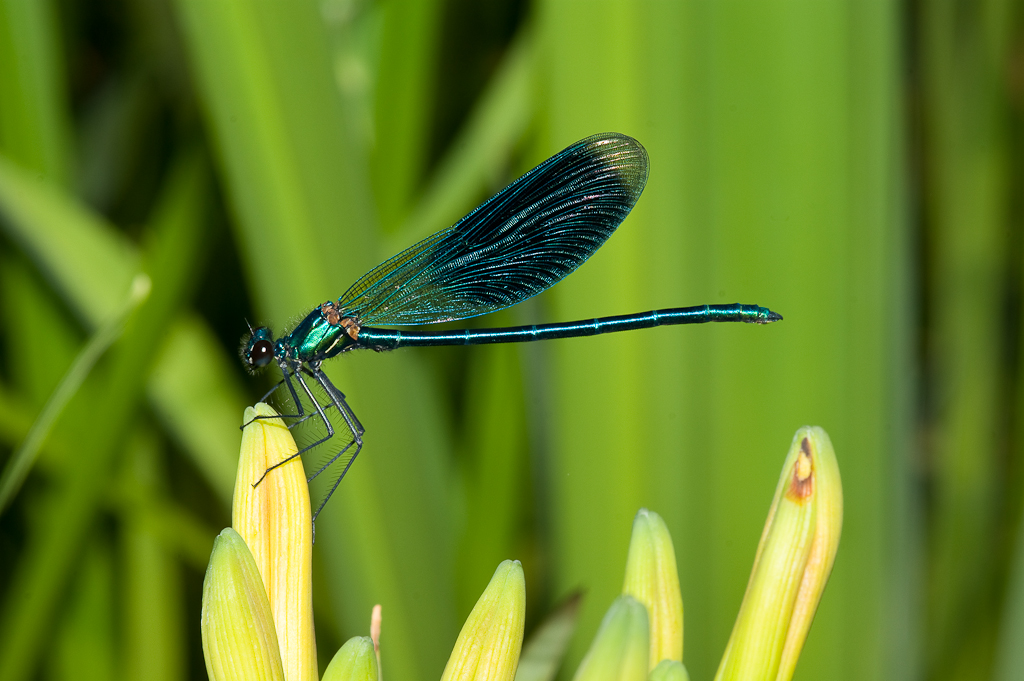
<point x="521" y="241"/>
<point x="324" y="333"/>
<point x="388" y="339"/>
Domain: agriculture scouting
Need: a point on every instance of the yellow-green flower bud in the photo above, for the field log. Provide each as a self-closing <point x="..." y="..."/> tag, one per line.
<point x="652" y="579"/>
<point x="792" y="565"/>
<point x="489" y="643"/>
<point x="354" y="661"/>
<point x="621" y="648"/>
<point x="669" y="670"/>
<point x="239" y="639"/>
<point x="274" y="519"/>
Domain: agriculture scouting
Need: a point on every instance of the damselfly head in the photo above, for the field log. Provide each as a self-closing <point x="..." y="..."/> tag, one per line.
<point x="257" y="348"/>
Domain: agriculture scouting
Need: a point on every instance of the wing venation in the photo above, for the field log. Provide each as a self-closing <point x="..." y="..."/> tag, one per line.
<point x="518" y="243"/>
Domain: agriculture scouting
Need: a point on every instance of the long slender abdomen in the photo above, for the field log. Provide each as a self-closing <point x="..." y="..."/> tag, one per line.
<point x="389" y="339"/>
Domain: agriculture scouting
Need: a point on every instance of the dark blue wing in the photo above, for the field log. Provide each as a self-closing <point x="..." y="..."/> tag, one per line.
<point x="518" y="243"/>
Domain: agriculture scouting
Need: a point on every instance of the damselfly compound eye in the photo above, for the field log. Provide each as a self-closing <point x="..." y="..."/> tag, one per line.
<point x="262" y="352"/>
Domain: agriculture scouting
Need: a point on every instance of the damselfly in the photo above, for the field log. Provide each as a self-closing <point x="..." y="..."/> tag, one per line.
<point x="518" y="243"/>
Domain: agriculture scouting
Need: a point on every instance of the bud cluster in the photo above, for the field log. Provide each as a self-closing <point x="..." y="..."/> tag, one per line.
<point x="257" y="620"/>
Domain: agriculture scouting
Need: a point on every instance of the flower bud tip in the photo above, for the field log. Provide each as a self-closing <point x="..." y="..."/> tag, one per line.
<point x="354" y="661"/>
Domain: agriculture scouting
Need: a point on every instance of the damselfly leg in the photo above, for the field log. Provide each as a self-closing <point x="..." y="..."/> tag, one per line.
<point x="300" y="391"/>
<point x="319" y="411"/>
<point x="337" y="399"/>
<point x="301" y="417"/>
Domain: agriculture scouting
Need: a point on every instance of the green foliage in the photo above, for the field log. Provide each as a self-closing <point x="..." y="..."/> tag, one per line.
<point x="854" y="165"/>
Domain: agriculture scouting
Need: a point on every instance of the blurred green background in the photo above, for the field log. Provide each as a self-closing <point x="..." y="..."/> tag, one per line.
<point x="856" y="165"/>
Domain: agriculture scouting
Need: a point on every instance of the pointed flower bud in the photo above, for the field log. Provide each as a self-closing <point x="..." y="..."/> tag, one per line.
<point x="489" y="643"/>
<point x="792" y="565"/>
<point x="354" y="661"/>
<point x="669" y="670"/>
<point x="274" y="520"/>
<point x="376" y="620"/>
<point x="621" y="648"/>
<point x="239" y="639"/>
<point x="652" y="579"/>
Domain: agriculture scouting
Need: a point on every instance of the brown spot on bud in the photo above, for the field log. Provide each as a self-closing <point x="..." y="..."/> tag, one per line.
<point x="802" y="484"/>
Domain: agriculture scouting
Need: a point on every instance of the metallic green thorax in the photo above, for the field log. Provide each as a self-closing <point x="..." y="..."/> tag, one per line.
<point x="321" y="335"/>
